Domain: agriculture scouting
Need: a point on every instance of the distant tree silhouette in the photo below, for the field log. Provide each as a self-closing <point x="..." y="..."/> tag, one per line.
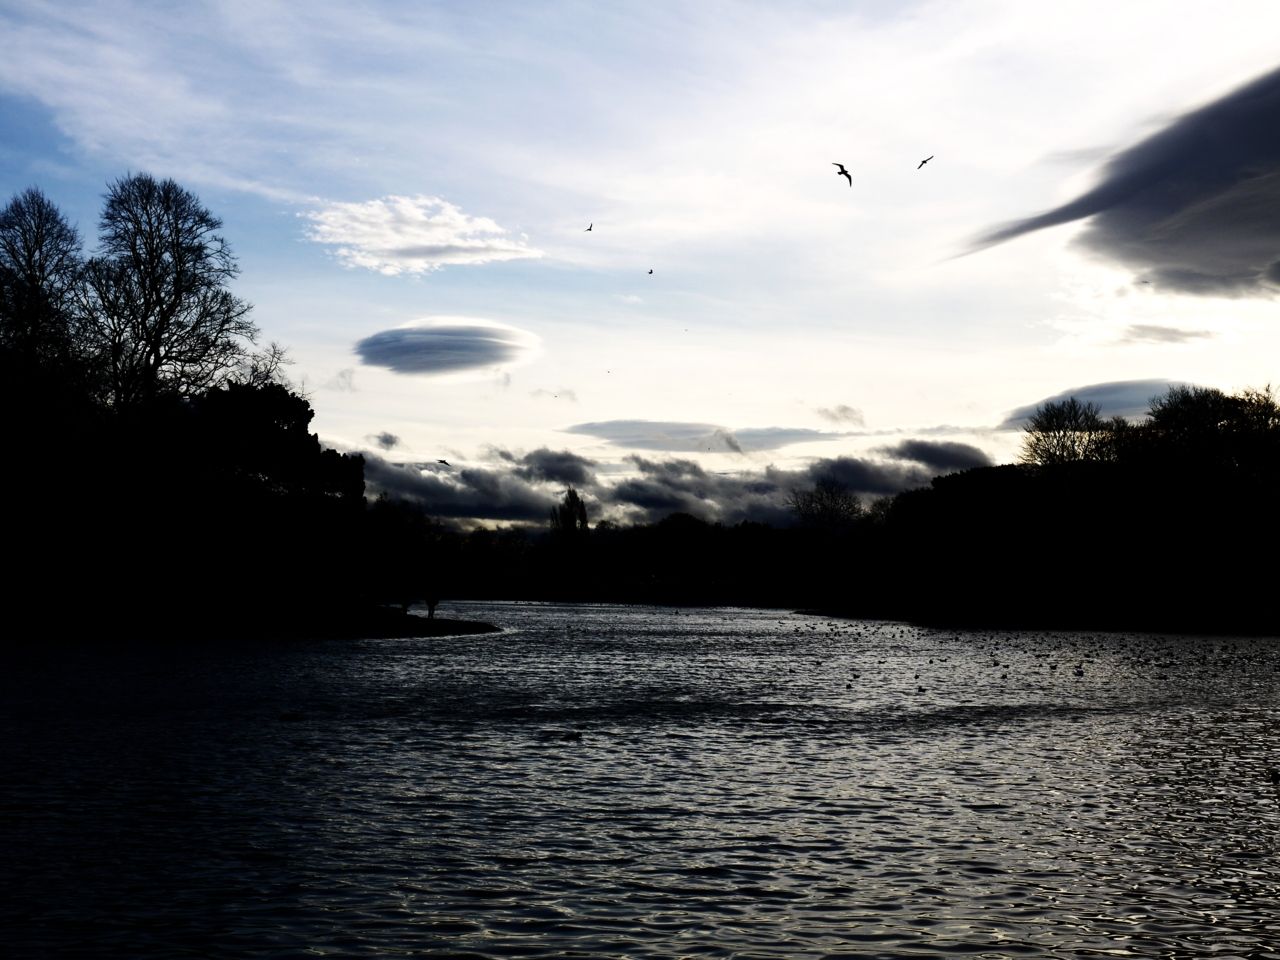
<point x="571" y="515"/>
<point x="1064" y="431"/>
<point x="159" y="316"/>
<point x="406" y="554"/>
<point x="826" y="504"/>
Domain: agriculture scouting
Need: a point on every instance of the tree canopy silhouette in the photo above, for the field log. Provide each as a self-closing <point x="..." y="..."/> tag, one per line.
<point x="571" y="515"/>
<point x="40" y="266"/>
<point x="159" y="314"/>
<point x="827" y="504"/>
<point x="1064" y="431"/>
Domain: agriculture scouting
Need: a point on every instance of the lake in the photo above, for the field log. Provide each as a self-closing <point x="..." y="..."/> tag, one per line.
<point x="609" y="781"/>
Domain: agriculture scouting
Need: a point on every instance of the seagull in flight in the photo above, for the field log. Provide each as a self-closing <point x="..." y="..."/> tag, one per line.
<point x="924" y="161"/>
<point x="589" y="226"/>
<point x="842" y="172"/>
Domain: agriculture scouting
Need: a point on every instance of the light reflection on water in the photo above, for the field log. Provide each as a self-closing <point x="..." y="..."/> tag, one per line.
<point x="627" y="781"/>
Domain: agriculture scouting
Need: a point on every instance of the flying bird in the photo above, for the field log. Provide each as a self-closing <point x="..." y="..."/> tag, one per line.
<point x="842" y="172"/>
<point x="651" y="270"/>
<point x="924" y="161"/>
<point x="445" y="462"/>
<point x="589" y="226"/>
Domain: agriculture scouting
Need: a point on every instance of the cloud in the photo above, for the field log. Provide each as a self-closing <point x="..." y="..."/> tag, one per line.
<point x="682" y="486"/>
<point x="669" y="486"/>
<point x="419" y="234"/>
<point x="867" y="476"/>
<point x="560" y="393"/>
<point x="729" y="440"/>
<point x="843" y="414"/>
<point x="555" y="466"/>
<point x="470" y="493"/>
<point x="939" y="455"/>
<point x="524" y="487"/>
<point x="1194" y="208"/>
<point x="385" y="440"/>
<point x="678" y="436"/>
<point x="342" y="381"/>
<point x="1152" y="333"/>
<point x="445" y="347"/>
<point x="1120" y="398"/>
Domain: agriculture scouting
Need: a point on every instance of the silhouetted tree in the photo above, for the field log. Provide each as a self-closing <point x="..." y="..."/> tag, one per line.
<point x="159" y="315"/>
<point x="827" y="504"/>
<point x="1064" y="431"/>
<point x="405" y="554"/>
<point x="571" y="515"/>
<point x="40" y="265"/>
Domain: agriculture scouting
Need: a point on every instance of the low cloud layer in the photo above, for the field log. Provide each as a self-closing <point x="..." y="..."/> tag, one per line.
<point x="464" y="494"/>
<point x="1120" y="398"/>
<point x="555" y="466"/>
<point x="681" y="437"/>
<point x="445" y="347"/>
<point x="418" y="234"/>
<point x="669" y="486"/>
<point x="939" y="454"/>
<point x="522" y="488"/>
<point x="1194" y="208"/>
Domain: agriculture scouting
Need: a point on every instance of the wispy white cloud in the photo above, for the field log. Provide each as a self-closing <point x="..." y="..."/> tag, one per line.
<point x="843" y="413"/>
<point x="394" y="235"/>
<point x="1156" y="333"/>
<point x="694" y="437"/>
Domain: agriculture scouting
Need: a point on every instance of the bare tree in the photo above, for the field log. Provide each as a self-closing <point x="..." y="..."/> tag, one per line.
<point x="827" y="504"/>
<point x="1064" y="431"/>
<point x="39" y="266"/>
<point x="159" y="315"/>
<point x="262" y="367"/>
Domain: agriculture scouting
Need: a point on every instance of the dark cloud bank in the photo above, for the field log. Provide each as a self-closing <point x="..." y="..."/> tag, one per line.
<point x="1194" y="208"/>
<point x="523" y="489"/>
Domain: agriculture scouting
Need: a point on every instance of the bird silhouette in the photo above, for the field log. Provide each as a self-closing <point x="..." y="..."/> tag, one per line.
<point x="589" y="226"/>
<point x="924" y="161"/>
<point x="842" y="172"/>
<point x="651" y="270"/>
<point x="445" y="462"/>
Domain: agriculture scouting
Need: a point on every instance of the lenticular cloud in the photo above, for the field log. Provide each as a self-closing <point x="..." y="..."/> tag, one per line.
<point x="1194" y="208"/>
<point x="446" y="346"/>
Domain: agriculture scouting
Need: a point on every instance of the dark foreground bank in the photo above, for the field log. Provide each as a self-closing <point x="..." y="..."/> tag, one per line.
<point x="381" y="624"/>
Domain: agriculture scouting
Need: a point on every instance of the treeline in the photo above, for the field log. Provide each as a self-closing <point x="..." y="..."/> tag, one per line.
<point x="162" y="480"/>
<point x="1165" y="523"/>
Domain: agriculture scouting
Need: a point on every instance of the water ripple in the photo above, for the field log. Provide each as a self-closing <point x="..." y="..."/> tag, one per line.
<point x="605" y="781"/>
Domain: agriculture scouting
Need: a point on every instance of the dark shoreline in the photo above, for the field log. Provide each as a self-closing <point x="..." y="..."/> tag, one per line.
<point x="382" y="624"/>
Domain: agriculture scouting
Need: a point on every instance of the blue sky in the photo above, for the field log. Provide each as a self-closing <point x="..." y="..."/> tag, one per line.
<point x="418" y="179"/>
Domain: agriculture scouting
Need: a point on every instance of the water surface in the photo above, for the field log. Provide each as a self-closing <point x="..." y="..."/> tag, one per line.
<point x="629" y="781"/>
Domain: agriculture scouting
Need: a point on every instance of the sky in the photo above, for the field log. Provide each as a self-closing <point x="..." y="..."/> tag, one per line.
<point x="408" y="190"/>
